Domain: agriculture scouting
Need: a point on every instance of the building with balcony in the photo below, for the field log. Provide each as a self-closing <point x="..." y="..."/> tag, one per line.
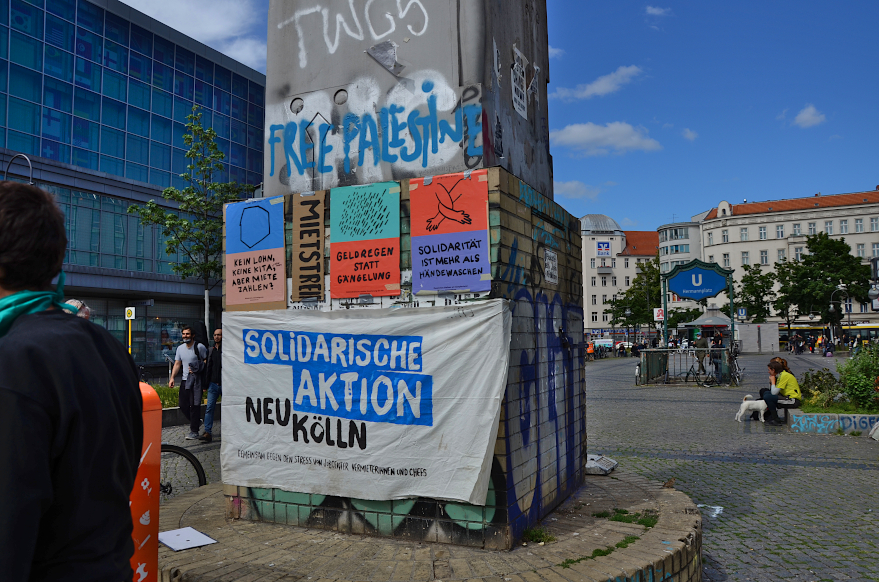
<point x="611" y="259"/>
<point x="96" y="94"/>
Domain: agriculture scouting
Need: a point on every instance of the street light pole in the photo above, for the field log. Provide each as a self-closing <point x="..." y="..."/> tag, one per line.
<point x="842" y="288"/>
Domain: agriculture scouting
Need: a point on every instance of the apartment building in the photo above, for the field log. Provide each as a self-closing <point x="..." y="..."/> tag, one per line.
<point x="764" y="233"/>
<point x="611" y="260"/>
<point x="679" y="243"/>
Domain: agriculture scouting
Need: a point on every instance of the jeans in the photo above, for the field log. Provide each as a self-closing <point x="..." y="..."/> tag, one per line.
<point x="214" y="392"/>
<point x="190" y="406"/>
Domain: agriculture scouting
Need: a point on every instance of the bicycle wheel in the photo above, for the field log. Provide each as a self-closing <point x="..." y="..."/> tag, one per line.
<point x="146" y="377"/>
<point x="180" y="472"/>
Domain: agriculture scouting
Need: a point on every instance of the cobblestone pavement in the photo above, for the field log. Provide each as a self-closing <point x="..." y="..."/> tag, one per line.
<point x="794" y="506"/>
<point x="208" y="455"/>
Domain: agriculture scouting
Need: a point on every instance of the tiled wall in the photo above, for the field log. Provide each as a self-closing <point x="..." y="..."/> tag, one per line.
<point x="541" y="444"/>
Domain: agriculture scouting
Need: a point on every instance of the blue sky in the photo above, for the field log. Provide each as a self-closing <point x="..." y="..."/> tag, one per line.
<point x="660" y="111"/>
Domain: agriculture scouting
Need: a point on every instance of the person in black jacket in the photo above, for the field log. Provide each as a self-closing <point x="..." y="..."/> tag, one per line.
<point x="71" y="425"/>
<point x="215" y="390"/>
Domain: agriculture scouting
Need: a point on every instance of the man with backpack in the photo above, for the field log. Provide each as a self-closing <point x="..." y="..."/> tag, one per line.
<point x="190" y="360"/>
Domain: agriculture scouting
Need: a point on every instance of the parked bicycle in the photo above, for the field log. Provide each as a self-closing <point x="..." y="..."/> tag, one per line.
<point x="180" y="472"/>
<point x="145" y="376"/>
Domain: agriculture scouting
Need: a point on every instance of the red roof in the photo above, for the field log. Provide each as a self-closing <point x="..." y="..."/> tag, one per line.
<point x="641" y="243"/>
<point x="810" y="203"/>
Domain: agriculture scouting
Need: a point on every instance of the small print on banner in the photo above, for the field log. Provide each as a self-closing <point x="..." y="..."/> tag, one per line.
<point x="255" y="272"/>
<point x="307" y="272"/>
<point x="450" y="248"/>
<point x="365" y="240"/>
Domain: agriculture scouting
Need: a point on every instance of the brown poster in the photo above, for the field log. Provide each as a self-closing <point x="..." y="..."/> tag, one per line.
<point x="308" y="246"/>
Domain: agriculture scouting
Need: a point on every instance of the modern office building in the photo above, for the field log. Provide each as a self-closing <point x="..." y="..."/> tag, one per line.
<point x="96" y="94"/>
<point x="679" y="243"/>
<point x="611" y="261"/>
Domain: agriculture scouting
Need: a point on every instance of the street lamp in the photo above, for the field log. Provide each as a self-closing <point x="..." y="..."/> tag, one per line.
<point x="628" y="313"/>
<point x="831" y="309"/>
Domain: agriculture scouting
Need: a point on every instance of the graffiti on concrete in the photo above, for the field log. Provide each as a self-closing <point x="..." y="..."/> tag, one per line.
<point x="359" y="135"/>
<point x="814" y="423"/>
<point x="848" y="422"/>
<point x="306" y="19"/>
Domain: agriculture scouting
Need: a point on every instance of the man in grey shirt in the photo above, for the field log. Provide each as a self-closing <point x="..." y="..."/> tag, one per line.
<point x="189" y="396"/>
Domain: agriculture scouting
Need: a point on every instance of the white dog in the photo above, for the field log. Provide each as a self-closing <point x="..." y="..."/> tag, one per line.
<point x="749" y="406"/>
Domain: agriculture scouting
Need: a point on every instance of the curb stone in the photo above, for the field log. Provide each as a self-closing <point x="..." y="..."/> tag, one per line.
<point x="245" y="550"/>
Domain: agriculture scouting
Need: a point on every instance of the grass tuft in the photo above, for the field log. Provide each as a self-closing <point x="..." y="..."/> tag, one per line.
<point x="625" y="543"/>
<point x="595" y="554"/>
<point x="537" y="534"/>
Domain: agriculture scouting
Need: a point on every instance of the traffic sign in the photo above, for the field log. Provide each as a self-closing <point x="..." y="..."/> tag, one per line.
<point x="129" y="313"/>
<point x="742" y="312"/>
<point x="658" y="314"/>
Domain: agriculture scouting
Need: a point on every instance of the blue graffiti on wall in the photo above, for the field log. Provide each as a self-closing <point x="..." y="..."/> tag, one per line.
<point x="556" y="358"/>
<point x="426" y="131"/>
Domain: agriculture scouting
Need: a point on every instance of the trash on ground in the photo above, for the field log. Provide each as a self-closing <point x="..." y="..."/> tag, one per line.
<point x="599" y="465"/>
<point x="184" y="539"/>
<point x="712" y="510"/>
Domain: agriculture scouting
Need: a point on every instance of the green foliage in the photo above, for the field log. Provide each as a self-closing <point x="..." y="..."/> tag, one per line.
<point x="859" y="377"/>
<point x="595" y="554"/>
<point x="678" y="316"/>
<point x="195" y="231"/>
<point x="168" y="396"/>
<point x="537" y="534"/>
<point x="644" y="294"/>
<point x="820" y="388"/>
<point x="783" y="304"/>
<point x="626" y="541"/>
<point x="601" y="514"/>
<point x="828" y="264"/>
<point x="755" y="292"/>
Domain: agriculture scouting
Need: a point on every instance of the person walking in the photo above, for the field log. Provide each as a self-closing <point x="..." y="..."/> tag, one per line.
<point x="188" y="363"/>
<point x="71" y="413"/>
<point x="702" y="346"/>
<point x="215" y="389"/>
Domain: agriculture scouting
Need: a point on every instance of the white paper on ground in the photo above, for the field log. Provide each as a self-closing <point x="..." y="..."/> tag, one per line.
<point x="184" y="539"/>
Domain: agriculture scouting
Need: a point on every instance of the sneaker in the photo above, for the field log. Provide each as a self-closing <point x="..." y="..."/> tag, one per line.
<point x="193" y="436"/>
<point x="774" y="422"/>
<point x="206" y="437"/>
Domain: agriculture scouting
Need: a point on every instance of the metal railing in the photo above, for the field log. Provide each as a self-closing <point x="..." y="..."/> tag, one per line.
<point x="682" y="366"/>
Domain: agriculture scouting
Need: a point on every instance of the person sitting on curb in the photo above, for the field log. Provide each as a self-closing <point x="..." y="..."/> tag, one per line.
<point x="781" y="382"/>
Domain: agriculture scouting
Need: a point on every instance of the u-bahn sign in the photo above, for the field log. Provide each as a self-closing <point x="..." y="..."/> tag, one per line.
<point x="698" y="280"/>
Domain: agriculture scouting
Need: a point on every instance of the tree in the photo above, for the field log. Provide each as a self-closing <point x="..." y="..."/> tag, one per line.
<point x="755" y="292"/>
<point x="195" y="230"/>
<point x="828" y="265"/>
<point x="677" y="316"/>
<point x="785" y="273"/>
<point x="644" y="294"/>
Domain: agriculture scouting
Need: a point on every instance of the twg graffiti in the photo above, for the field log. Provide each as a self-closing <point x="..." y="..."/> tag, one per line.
<point x="358" y="135"/>
<point x="414" y="15"/>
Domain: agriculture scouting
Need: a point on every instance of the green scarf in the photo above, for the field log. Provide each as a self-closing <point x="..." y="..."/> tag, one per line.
<point x="25" y="302"/>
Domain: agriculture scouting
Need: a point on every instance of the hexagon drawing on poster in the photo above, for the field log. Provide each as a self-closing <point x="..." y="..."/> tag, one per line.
<point x="255" y="226"/>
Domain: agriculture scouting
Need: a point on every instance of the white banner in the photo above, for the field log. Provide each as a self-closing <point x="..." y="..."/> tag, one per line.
<point x="372" y="404"/>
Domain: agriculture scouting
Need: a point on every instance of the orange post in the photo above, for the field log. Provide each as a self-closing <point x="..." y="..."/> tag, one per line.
<point x="145" y="495"/>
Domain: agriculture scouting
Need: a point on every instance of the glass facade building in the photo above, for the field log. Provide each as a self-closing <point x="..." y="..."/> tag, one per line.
<point x="81" y="85"/>
<point x="97" y="95"/>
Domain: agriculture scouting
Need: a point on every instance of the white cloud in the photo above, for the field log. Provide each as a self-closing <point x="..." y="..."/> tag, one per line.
<point x="555" y="52"/>
<point x="781" y="115"/>
<point x="689" y="134"/>
<point x="603" y="85"/>
<point x="656" y="11"/>
<point x="575" y="190"/>
<point x="628" y="222"/>
<point x="597" y="140"/>
<point x="809" y="116"/>
<point x="234" y="27"/>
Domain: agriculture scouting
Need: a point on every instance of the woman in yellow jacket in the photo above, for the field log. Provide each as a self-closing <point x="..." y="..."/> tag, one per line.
<point x="783" y="383"/>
